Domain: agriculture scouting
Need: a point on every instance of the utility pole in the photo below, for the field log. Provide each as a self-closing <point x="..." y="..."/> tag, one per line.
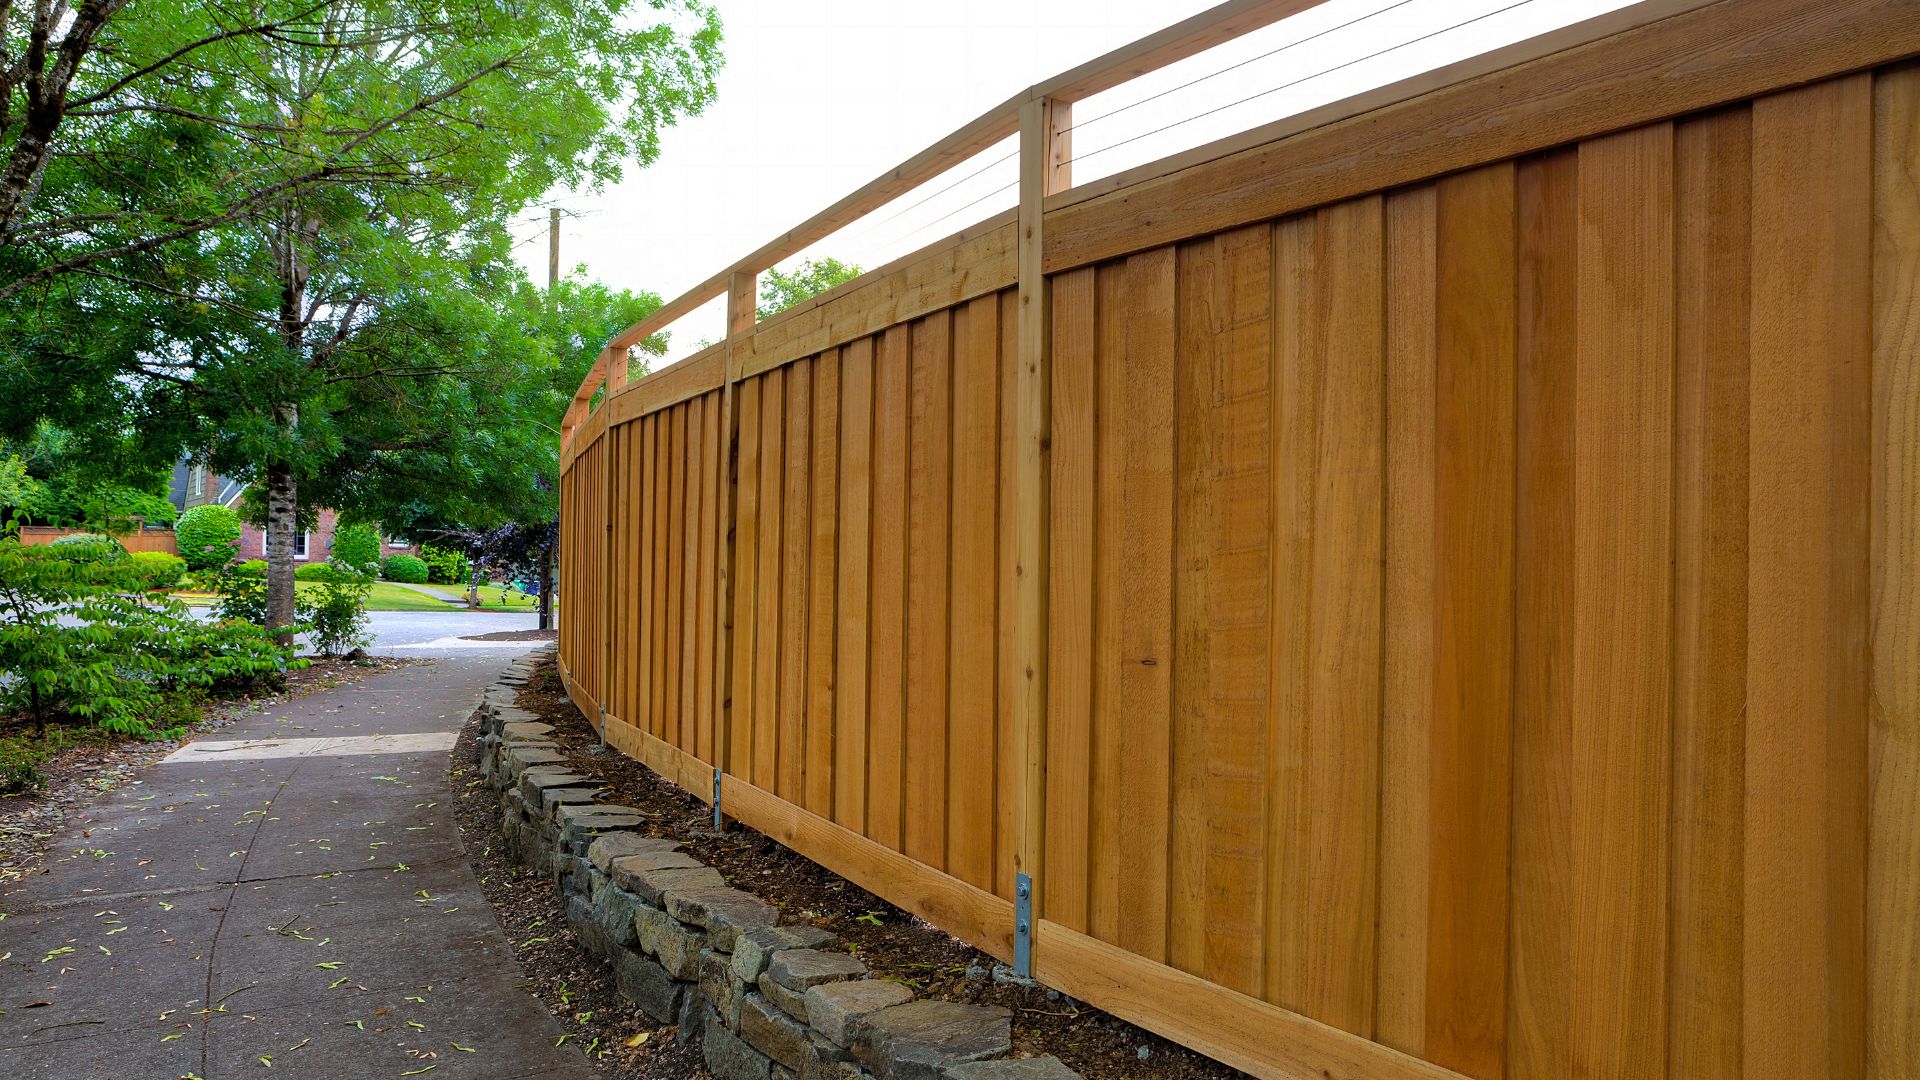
<point x="548" y="578"/>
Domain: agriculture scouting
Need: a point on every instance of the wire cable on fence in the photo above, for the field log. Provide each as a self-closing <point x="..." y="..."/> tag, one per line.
<point x="1303" y="79"/>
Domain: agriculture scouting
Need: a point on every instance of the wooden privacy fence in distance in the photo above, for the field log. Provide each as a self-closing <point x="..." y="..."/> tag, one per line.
<point x="1429" y="588"/>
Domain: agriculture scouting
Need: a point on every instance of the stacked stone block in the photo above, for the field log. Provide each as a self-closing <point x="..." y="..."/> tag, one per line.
<point x="769" y="1002"/>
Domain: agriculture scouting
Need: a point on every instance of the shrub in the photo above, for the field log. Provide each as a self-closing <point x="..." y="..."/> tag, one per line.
<point x="252" y="568"/>
<point x="207" y="536"/>
<point x="404" y="568"/>
<point x="318" y="571"/>
<point x="88" y="548"/>
<point x="446" y="566"/>
<point x="357" y="546"/>
<point x="336" y="616"/>
<point x="73" y="644"/>
<point x="153" y="570"/>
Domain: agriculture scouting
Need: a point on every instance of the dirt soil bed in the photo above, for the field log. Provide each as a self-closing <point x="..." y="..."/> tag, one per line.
<point x="893" y="943"/>
<point x="514" y="635"/>
<point x="99" y="762"/>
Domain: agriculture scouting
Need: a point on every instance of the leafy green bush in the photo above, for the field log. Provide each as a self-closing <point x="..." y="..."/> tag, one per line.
<point x="151" y="570"/>
<point x="88" y="548"/>
<point x="446" y="566"/>
<point x="404" y="568"/>
<point x="73" y="643"/>
<point x="243" y="592"/>
<point x="317" y="571"/>
<point x="336" y="614"/>
<point x="252" y="568"/>
<point x="357" y="546"/>
<point x="207" y="536"/>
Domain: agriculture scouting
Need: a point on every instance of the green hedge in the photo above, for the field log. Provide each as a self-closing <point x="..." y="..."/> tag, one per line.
<point x="446" y="566"/>
<point x="87" y="548"/>
<point x="404" y="568"/>
<point x="207" y="536"/>
<point x="154" y="570"/>
<point x="318" y="571"/>
<point x="252" y="568"/>
<point x="356" y="545"/>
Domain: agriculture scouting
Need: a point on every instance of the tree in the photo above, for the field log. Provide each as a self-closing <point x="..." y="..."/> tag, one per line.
<point x="780" y="291"/>
<point x="71" y="483"/>
<point x="353" y="174"/>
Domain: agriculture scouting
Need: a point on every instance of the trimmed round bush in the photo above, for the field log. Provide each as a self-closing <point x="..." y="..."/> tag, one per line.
<point x="155" y="570"/>
<point x="207" y="536"/>
<point x="318" y="571"/>
<point x="404" y="568"/>
<point x="88" y="548"/>
<point x="445" y="566"/>
<point x="357" y="545"/>
<point x="252" y="568"/>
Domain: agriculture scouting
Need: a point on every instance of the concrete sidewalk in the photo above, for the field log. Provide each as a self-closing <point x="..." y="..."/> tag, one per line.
<point x="293" y="896"/>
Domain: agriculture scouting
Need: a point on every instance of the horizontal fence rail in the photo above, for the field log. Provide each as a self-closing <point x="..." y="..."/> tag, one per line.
<point x="1426" y="589"/>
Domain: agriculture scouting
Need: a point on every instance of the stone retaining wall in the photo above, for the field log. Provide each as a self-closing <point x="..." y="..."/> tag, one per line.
<point x="771" y="1002"/>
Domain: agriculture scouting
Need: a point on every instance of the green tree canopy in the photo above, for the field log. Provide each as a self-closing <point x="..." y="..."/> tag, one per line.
<point x="781" y="290"/>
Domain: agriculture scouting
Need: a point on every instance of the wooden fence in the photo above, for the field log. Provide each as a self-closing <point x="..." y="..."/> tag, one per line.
<point x="1426" y="589"/>
<point x="138" y="540"/>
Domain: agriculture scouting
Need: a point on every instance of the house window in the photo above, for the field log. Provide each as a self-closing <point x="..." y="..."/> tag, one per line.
<point x="299" y="544"/>
<point x="395" y="542"/>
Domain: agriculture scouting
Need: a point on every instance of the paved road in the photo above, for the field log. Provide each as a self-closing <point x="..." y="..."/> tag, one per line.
<point x="293" y="896"/>
<point x="432" y="633"/>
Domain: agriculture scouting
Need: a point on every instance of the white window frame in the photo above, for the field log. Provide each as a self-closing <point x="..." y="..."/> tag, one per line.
<point x="300" y="550"/>
<point x="393" y="542"/>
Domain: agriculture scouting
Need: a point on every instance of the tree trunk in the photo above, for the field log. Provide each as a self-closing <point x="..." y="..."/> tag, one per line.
<point x="283" y="523"/>
<point x="546" y="589"/>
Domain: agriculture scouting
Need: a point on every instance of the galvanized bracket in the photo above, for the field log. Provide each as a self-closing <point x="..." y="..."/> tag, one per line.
<point x="603" y="727"/>
<point x="1023" y="926"/>
<point x="718" y="824"/>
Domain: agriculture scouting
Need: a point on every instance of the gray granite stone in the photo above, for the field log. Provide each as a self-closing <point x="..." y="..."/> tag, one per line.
<point x="753" y="950"/>
<point x="613" y="910"/>
<point x="728" y="1056"/>
<point x="1040" y="1068"/>
<point x="832" y="1007"/>
<point x="720" y="986"/>
<point x="618" y="845"/>
<point x="591" y="935"/>
<point x="922" y="1039"/>
<point x="551" y="799"/>
<point x="791" y="1002"/>
<point x="678" y="947"/>
<point x="771" y="1031"/>
<point x="651" y="885"/>
<point x="648" y="922"/>
<point x="647" y="985"/>
<point x="798" y="969"/>
<point x="724" y="913"/>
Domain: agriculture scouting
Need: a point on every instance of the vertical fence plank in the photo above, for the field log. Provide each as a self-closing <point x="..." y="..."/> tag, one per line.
<point x="1623" y="594"/>
<point x="1473" y="619"/>
<point x="767" y="640"/>
<point x="745" y="623"/>
<point x="1145" y="666"/>
<point x="1109" y="552"/>
<point x="1713" y="182"/>
<point x="973" y="758"/>
<point x="1538" y="1016"/>
<point x="706" y="676"/>
<point x="1197" y="321"/>
<point x="670" y="555"/>
<point x="1013" y="754"/>
<point x="886" y="695"/>
<point x="795" y="583"/>
<point x="929" y="491"/>
<point x="1070" y="587"/>
<point x="1893" y="866"/>
<point x="860" y="537"/>
<point x="823" y="615"/>
<point x="1807" y="550"/>
<point x="1406" y="736"/>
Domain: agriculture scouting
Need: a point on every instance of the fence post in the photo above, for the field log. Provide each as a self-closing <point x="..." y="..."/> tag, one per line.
<point x="742" y="292"/>
<point x="1046" y="163"/>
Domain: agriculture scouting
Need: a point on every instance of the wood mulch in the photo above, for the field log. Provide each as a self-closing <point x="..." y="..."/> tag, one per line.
<point x="79" y="774"/>
<point x="893" y="943"/>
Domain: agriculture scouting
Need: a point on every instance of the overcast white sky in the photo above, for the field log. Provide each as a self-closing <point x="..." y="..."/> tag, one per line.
<point x="820" y="96"/>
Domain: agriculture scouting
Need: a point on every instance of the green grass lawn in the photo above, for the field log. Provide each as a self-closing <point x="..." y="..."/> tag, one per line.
<point x="388" y="596"/>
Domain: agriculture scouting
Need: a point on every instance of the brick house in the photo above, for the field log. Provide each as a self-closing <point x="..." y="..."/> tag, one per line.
<point x="196" y="485"/>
